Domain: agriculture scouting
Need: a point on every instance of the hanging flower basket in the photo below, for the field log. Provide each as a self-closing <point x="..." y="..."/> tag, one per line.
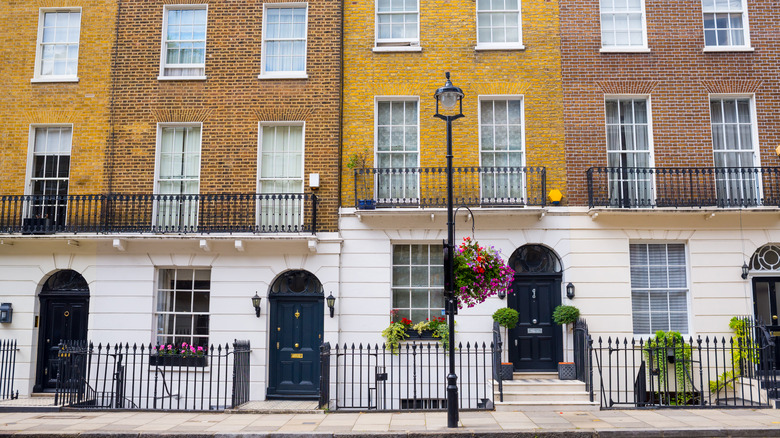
<point x="480" y="272"/>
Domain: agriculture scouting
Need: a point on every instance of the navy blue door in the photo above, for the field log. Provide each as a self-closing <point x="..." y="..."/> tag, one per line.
<point x="535" y="344"/>
<point x="295" y="339"/>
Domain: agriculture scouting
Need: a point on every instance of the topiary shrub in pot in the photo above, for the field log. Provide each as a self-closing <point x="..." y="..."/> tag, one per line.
<point x="506" y="318"/>
<point x="565" y="314"/>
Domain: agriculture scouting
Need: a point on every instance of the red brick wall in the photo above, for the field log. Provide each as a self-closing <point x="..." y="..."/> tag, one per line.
<point x="676" y="74"/>
<point x="230" y="103"/>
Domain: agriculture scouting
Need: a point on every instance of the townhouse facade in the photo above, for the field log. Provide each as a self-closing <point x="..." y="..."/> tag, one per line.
<point x="215" y="181"/>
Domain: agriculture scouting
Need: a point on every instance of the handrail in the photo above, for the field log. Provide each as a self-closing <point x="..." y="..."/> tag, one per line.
<point x="497" y="344"/>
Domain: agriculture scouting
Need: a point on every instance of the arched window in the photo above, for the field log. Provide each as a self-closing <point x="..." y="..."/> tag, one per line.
<point x="298" y="283"/>
<point x="66" y="280"/>
<point x="535" y="259"/>
<point x="766" y="258"/>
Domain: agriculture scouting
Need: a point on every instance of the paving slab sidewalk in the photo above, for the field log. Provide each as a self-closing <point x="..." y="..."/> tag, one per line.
<point x="630" y="423"/>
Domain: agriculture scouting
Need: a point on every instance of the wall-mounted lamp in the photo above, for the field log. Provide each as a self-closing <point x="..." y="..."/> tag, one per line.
<point x="6" y="313"/>
<point x="570" y="290"/>
<point x="745" y="271"/>
<point x="256" y="304"/>
<point x="331" y="300"/>
<point x="502" y="294"/>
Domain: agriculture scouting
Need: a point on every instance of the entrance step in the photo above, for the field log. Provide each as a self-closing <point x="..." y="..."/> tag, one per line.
<point x="544" y="391"/>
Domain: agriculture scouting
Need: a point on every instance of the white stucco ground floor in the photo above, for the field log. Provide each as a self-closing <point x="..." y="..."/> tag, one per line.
<point x="632" y="273"/>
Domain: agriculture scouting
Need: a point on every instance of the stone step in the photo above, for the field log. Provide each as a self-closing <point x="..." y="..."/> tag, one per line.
<point x="522" y="375"/>
<point x="539" y="405"/>
<point x="560" y="397"/>
<point x="542" y="385"/>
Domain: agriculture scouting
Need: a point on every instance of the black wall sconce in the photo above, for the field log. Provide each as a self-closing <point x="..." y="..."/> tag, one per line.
<point x="331" y="300"/>
<point x="256" y="304"/>
<point x="745" y="271"/>
<point x="6" y="313"/>
<point x="570" y="290"/>
<point x="501" y="294"/>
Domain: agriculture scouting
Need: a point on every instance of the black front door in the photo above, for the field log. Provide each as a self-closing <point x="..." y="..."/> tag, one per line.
<point x="63" y="317"/>
<point x="296" y="336"/>
<point x="766" y="299"/>
<point x="535" y="344"/>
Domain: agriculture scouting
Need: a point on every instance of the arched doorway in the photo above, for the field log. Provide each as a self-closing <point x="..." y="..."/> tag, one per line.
<point x="765" y="267"/>
<point x="296" y="301"/>
<point x="64" y="300"/>
<point x="535" y="344"/>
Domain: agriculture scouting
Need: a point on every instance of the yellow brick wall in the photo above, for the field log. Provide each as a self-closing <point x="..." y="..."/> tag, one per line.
<point x="84" y="104"/>
<point x="448" y="38"/>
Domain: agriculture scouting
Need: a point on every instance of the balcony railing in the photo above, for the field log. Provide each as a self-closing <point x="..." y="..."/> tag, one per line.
<point x="147" y="213"/>
<point x="472" y="186"/>
<point x="722" y="187"/>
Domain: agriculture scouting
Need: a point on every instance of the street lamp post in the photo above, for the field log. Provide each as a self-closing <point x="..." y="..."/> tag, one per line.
<point x="451" y="98"/>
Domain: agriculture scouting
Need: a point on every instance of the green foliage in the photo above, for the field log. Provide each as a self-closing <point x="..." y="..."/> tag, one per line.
<point x="565" y="315"/>
<point x="725" y="380"/>
<point x="506" y="317"/>
<point x="438" y="327"/>
<point x="743" y="353"/>
<point x="394" y="334"/>
<point x="358" y="159"/>
<point x="666" y="347"/>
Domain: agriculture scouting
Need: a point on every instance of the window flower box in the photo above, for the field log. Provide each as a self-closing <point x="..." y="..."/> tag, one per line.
<point x="177" y="360"/>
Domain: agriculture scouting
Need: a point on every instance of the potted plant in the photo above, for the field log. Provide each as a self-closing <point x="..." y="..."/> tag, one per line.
<point x="480" y="272"/>
<point x="507" y="318"/>
<point x="396" y="332"/>
<point x="566" y="315"/>
<point x="184" y="356"/>
<point x="669" y="358"/>
<point x="359" y="160"/>
<point x="435" y="328"/>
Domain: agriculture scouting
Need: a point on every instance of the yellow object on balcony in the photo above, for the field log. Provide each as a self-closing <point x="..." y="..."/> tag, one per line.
<point x="555" y="196"/>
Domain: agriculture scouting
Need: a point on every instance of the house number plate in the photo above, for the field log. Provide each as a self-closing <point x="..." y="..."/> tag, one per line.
<point x="296" y="356"/>
<point x="534" y="331"/>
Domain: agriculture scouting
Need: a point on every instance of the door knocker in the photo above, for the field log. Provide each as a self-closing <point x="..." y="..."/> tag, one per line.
<point x="67" y="314"/>
<point x="297" y="314"/>
<point x="533" y="294"/>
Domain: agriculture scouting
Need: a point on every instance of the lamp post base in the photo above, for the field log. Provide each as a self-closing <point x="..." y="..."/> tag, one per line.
<point x="452" y="400"/>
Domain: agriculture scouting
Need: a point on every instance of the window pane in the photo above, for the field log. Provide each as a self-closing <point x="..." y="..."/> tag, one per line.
<point x="658" y="287"/>
<point x="181" y="314"/>
<point x="420" y="265"/>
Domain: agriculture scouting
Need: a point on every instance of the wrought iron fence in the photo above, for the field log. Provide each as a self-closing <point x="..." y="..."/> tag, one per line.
<point x="472" y="186"/>
<point x="497" y="344"/>
<point x="139" y="213"/>
<point x="673" y="372"/>
<point x="7" y="368"/>
<point x="137" y="377"/>
<point x="582" y="355"/>
<point x="723" y="187"/>
<point x="373" y="378"/>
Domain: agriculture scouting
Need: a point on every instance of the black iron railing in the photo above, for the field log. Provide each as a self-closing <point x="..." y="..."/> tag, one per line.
<point x="7" y="369"/>
<point x="582" y="355"/>
<point x="372" y="378"/>
<point x="324" y="375"/>
<point x="137" y="377"/>
<point x="722" y="187"/>
<point x="472" y="186"/>
<point x="673" y="372"/>
<point x="148" y="213"/>
<point x="497" y="344"/>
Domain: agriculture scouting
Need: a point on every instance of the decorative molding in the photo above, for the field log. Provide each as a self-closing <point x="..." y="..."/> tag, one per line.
<point x="49" y="116"/>
<point x="502" y="88"/>
<point x="283" y="114"/>
<point x="736" y="86"/>
<point x="178" y="115"/>
<point x="627" y="87"/>
<point x="385" y="89"/>
<point x="58" y="3"/>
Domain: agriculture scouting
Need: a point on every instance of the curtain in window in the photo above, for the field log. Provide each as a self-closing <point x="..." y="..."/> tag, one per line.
<point x="50" y="173"/>
<point x="628" y="153"/>
<point x="498" y="21"/>
<point x="281" y="171"/>
<point x="622" y="23"/>
<point x="659" y="288"/>
<point x="185" y="47"/>
<point x="179" y="177"/>
<point x="60" y="43"/>
<point x="502" y="155"/>
<point x="396" y="20"/>
<point x="736" y="179"/>
<point x="285" y="36"/>
<point x="397" y="149"/>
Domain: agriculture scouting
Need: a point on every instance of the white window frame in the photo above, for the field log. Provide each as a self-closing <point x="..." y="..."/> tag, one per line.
<point x="501" y="46"/>
<point x="503" y="97"/>
<point x="37" y="76"/>
<point x="158" y="151"/>
<point x="650" y="143"/>
<point x="625" y="48"/>
<point x="378" y="99"/>
<point x="428" y="287"/>
<point x="746" y="47"/>
<point x="688" y="292"/>
<point x="28" y="186"/>
<point x="158" y="271"/>
<point x="396" y="44"/>
<point x="163" y="50"/>
<point x="753" y="131"/>
<point x="258" y="211"/>
<point x="284" y="74"/>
